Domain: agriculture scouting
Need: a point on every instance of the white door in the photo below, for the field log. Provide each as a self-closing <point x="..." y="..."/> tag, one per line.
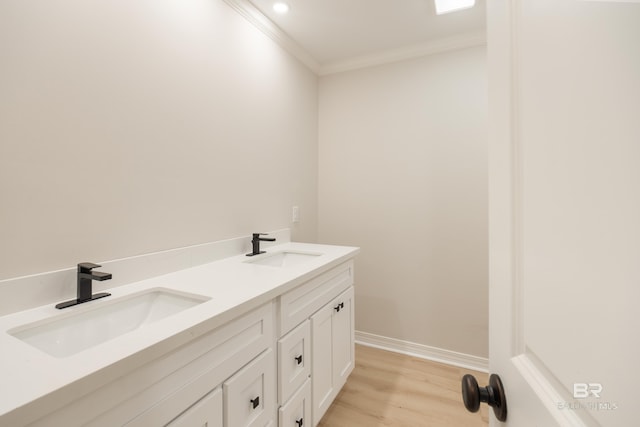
<point x="564" y="106"/>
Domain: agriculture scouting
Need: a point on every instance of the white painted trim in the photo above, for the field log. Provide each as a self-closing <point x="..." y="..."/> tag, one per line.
<point x="405" y="53"/>
<point x="252" y="14"/>
<point x="422" y="351"/>
<point x="264" y="24"/>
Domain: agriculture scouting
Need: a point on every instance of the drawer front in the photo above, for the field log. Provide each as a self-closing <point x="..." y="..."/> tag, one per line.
<point x="294" y="360"/>
<point x="300" y="303"/>
<point x="249" y="395"/>
<point x="207" y="412"/>
<point x="297" y="411"/>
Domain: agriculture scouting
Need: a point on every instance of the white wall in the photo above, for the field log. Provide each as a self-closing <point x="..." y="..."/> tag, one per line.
<point x="403" y="174"/>
<point x="131" y="126"/>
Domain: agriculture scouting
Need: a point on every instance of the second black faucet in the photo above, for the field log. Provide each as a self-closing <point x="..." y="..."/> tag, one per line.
<point x="255" y="242"/>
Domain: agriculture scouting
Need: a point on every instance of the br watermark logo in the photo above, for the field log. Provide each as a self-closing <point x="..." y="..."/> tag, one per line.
<point x="584" y="393"/>
<point x="584" y="390"/>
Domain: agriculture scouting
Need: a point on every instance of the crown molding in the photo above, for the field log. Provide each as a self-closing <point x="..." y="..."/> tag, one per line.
<point x="405" y="53"/>
<point x="264" y="24"/>
<point x="246" y="9"/>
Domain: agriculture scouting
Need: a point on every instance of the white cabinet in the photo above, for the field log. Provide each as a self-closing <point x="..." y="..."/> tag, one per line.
<point x="332" y="351"/>
<point x="319" y="312"/>
<point x="207" y="412"/>
<point x="229" y="375"/>
<point x="249" y="396"/>
<point x="166" y="387"/>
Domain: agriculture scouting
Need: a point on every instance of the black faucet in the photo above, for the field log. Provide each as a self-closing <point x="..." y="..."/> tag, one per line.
<point x="85" y="278"/>
<point x="256" y="243"/>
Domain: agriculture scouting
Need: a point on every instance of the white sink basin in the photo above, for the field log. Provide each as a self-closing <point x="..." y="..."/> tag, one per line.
<point x="284" y="258"/>
<point x="73" y="332"/>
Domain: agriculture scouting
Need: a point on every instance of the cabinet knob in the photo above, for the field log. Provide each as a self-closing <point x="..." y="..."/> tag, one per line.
<point x="299" y="422"/>
<point x="338" y="307"/>
<point x="255" y="402"/>
<point x="298" y="359"/>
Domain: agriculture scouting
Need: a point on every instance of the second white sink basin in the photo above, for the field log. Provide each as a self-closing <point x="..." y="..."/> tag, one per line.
<point x="79" y="330"/>
<point x="284" y="258"/>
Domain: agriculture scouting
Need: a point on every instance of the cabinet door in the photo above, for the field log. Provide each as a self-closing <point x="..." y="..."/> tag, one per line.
<point x="332" y="351"/>
<point x="321" y="362"/>
<point x="342" y="335"/>
<point x="249" y="395"/>
<point x="207" y="412"/>
<point x="297" y="411"/>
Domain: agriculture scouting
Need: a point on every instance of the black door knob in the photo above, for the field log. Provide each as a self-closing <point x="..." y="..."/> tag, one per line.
<point x="492" y="395"/>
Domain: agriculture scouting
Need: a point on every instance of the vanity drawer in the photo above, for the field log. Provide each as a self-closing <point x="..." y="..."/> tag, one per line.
<point x="297" y="411"/>
<point x="249" y="395"/>
<point x="300" y="303"/>
<point x="294" y="360"/>
<point x="206" y="412"/>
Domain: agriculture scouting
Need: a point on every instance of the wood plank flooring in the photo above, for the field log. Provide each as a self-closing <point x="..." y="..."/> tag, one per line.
<point x="391" y="389"/>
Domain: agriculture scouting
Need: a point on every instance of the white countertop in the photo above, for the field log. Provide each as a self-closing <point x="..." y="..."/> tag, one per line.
<point x="30" y="376"/>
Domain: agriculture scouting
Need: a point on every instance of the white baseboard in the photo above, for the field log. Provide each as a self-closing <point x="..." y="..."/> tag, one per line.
<point x="422" y="351"/>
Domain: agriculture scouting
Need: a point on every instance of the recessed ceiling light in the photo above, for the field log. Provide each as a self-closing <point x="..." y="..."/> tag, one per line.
<point x="281" y="7"/>
<point x="446" y="6"/>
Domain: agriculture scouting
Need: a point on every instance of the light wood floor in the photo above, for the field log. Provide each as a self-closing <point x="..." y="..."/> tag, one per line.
<point x="391" y="389"/>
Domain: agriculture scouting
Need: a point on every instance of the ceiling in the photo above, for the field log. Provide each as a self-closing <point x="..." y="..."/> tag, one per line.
<point x="335" y="32"/>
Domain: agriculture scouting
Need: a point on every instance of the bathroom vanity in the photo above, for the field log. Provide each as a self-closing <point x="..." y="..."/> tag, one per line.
<point x="242" y="341"/>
